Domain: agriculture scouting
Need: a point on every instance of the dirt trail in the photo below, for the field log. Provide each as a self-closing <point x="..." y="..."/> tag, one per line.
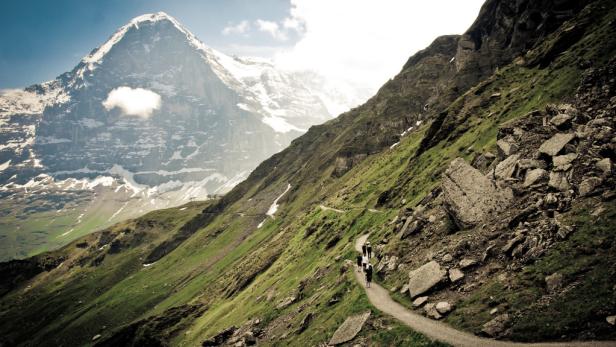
<point x="379" y="297"/>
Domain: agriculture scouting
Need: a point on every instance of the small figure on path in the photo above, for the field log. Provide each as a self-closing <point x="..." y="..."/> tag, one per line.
<point x="368" y="275"/>
<point x="364" y="263"/>
<point x="369" y="249"/>
<point x="363" y="249"/>
<point x="359" y="262"/>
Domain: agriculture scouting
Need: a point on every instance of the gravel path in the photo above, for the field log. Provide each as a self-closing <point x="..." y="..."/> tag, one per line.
<point x="379" y="297"/>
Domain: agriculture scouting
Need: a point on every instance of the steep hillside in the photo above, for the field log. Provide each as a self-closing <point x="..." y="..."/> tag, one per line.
<point x="492" y="165"/>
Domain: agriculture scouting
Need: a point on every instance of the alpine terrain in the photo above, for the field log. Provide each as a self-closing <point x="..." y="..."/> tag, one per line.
<point x="152" y="118"/>
<point x="482" y="175"/>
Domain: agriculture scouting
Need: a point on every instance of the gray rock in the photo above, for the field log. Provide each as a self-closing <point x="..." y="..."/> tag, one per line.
<point x="565" y="159"/>
<point x="425" y="278"/>
<point x="558" y="180"/>
<point x="447" y="258"/>
<point x="506" y="147"/>
<point x="525" y="164"/>
<point x="554" y="282"/>
<point x="506" y="168"/>
<point x="431" y="311"/>
<point x="349" y="329"/>
<point x="443" y="307"/>
<point x="605" y="165"/>
<point x="496" y="326"/>
<point x="405" y="227"/>
<point x="286" y="302"/>
<point x="535" y="176"/>
<point x="469" y="197"/>
<point x="561" y="120"/>
<point x="589" y="185"/>
<point x="96" y="337"/>
<point x="404" y="289"/>
<point x="493" y="311"/>
<point x="420" y="301"/>
<point x="555" y="144"/>
<point x="455" y="275"/>
<point x="467" y="262"/>
<point x="611" y="320"/>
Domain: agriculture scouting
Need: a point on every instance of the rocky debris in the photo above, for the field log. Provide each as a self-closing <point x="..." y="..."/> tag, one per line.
<point x="506" y="168"/>
<point x="404" y="289"/>
<point x="496" y="326"/>
<point x="455" y="275"/>
<point x="431" y="311"/>
<point x="535" y="176"/>
<point x="305" y="323"/>
<point x="611" y="320"/>
<point x="425" y="278"/>
<point x="349" y="329"/>
<point x="443" y="307"/>
<point x="605" y="165"/>
<point x="493" y="311"/>
<point x="589" y="185"/>
<point x="512" y="243"/>
<point x="556" y="143"/>
<point x="220" y="338"/>
<point x="286" y="302"/>
<point x="554" y="282"/>
<point x="561" y="121"/>
<point x="527" y="164"/>
<point x="467" y="262"/>
<point x="563" y="160"/>
<point x="468" y="196"/>
<point x="506" y="147"/>
<point x="96" y="337"/>
<point x="483" y="161"/>
<point x="558" y="180"/>
<point x="387" y="264"/>
<point x="418" y="302"/>
<point x="447" y="258"/>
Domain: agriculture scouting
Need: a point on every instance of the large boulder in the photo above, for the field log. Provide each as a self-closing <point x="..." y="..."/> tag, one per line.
<point x="469" y="197"/>
<point x="496" y="326"/>
<point x="506" y="168"/>
<point x="349" y="329"/>
<point x="555" y="144"/>
<point x="425" y="278"/>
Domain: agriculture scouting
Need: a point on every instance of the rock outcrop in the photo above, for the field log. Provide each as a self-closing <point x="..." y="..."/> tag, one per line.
<point x="425" y="278"/>
<point x="349" y="329"/>
<point x="469" y="196"/>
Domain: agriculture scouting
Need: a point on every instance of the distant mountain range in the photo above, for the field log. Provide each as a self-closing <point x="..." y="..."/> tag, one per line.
<point x="150" y="119"/>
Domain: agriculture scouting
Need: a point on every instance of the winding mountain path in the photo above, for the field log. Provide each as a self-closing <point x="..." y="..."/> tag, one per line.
<point x="379" y="297"/>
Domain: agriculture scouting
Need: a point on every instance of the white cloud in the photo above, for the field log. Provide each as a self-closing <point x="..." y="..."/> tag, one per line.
<point x="271" y="28"/>
<point x="363" y="43"/>
<point x="240" y="28"/>
<point x="133" y="102"/>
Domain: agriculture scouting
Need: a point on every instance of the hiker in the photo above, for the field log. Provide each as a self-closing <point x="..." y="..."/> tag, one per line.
<point x="369" y="249"/>
<point x="359" y="262"/>
<point x="363" y="249"/>
<point x="368" y="275"/>
<point x="364" y="263"/>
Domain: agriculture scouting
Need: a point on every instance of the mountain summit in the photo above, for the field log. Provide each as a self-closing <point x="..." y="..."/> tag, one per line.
<point x="153" y="116"/>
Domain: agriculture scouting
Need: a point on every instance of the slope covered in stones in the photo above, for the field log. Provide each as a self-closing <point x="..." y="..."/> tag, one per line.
<point x="530" y="120"/>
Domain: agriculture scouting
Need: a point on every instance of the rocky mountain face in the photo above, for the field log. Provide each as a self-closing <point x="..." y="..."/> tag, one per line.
<point x="483" y="177"/>
<point x="153" y="115"/>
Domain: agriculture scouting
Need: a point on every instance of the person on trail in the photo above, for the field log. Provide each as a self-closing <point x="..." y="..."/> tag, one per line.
<point x="369" y="249"/>
<point x="368" y="275"/>
<point x="359" y="262"/>
<point x="364" y="263"/>
<point x="363" y="249"/>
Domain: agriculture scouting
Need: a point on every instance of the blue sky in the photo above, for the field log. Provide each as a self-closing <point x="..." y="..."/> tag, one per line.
<point x="41" y="39"/>
<point x="356" y="44"/>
